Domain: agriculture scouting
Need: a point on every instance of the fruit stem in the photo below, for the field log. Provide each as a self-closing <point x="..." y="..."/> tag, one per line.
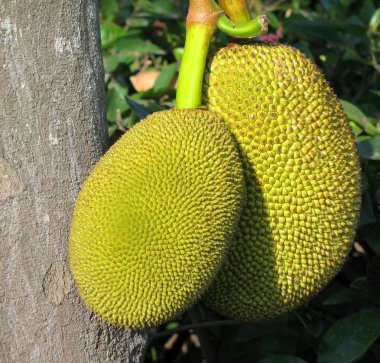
<point x="201" y="24"/>
<point x="254" y="28"/>
<point x="236" y="10"/>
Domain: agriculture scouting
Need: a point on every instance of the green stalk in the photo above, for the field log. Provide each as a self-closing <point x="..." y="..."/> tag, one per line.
<point x="200" y="26"/>
<point x="254" y="28"/>
<point x="189" y="89"/>
<point x="203" y="18"/>
<point x="236" y="10"/>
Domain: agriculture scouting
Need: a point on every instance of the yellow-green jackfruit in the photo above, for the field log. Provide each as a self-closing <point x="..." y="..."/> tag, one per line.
<point x="302" y="175"/>
<point x="153" y="220"/>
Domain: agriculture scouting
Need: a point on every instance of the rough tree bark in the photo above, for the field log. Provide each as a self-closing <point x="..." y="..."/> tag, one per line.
<point x="52" y="133"/>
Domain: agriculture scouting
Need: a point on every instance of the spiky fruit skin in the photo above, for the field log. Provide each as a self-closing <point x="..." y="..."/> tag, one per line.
<point x="302" y="174"/>
<point x="154" y="218"/>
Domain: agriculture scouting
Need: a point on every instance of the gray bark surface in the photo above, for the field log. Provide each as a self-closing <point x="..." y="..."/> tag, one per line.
<point x="52" y="132"/>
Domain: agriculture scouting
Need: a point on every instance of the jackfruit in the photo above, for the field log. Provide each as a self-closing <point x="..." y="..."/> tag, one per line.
<point x="153" y="220"/>
<point x="302" y="175"/>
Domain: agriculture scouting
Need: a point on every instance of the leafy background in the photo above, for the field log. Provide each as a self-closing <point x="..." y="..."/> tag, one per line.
<point x="142" y="47"/>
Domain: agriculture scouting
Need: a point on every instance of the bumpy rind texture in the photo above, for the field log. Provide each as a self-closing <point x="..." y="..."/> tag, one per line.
<point x="302" y="174"/>
<point x="153" y="220"/>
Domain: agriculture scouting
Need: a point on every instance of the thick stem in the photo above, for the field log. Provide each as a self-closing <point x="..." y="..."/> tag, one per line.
<point x="236" y="10"/>
<point x="189" y="90"/>
<point x="200" y="27"/>
<point x="254" y="28"/>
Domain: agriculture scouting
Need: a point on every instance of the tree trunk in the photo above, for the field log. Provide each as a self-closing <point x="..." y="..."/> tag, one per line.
<point x="52" y="132"/>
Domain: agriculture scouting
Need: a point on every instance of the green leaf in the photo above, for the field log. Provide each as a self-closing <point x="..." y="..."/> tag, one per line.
<point x="278" y="358"/>
<point x="165" y="78"/>
<point x="112" y="129"/>
<point x="359" y="283"/>
<point x="372" y="290"/>
<point x="316" y="28"/>
<point x="120" y="86"/>
<point x="372" y="237"/>
<point x="313" y="327"/>
<point x="136" y="46"/>
<point x="356" y="129"/>
<point x="375" y="21"/>
<point x="350" y="337"/>
<point x="276" y="343"/>
<point x="110" y="32"/>
<point x="329" y="4"/>
<point x="355" y="21"/>
<point x="109" y="8"/>
<point x="172" y="325"/>
<point x="158" y="9"/>
<point x="110" y="63"/>
<point x="370" y="127"/>
<point x="367" y="215"/>
<point x="115" y="102"/>
<point x="154" y="354"/>
<point x="352" y="55"/>
<point x="273" y="20"/>
<point x="140" y="110"/>
<point x="366" y="10"/>
<point x="356" y="115"/>
<point x="370" y="148"/>
<point x="178" y="54"/>
<point x="353" y="112"/>
<point x="343" y="296"/>
<point x="137" y="23"/>
<point x="362" y="137"/>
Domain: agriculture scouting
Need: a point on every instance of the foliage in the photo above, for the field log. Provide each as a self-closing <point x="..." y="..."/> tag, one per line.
<point x="142" y="47"/>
